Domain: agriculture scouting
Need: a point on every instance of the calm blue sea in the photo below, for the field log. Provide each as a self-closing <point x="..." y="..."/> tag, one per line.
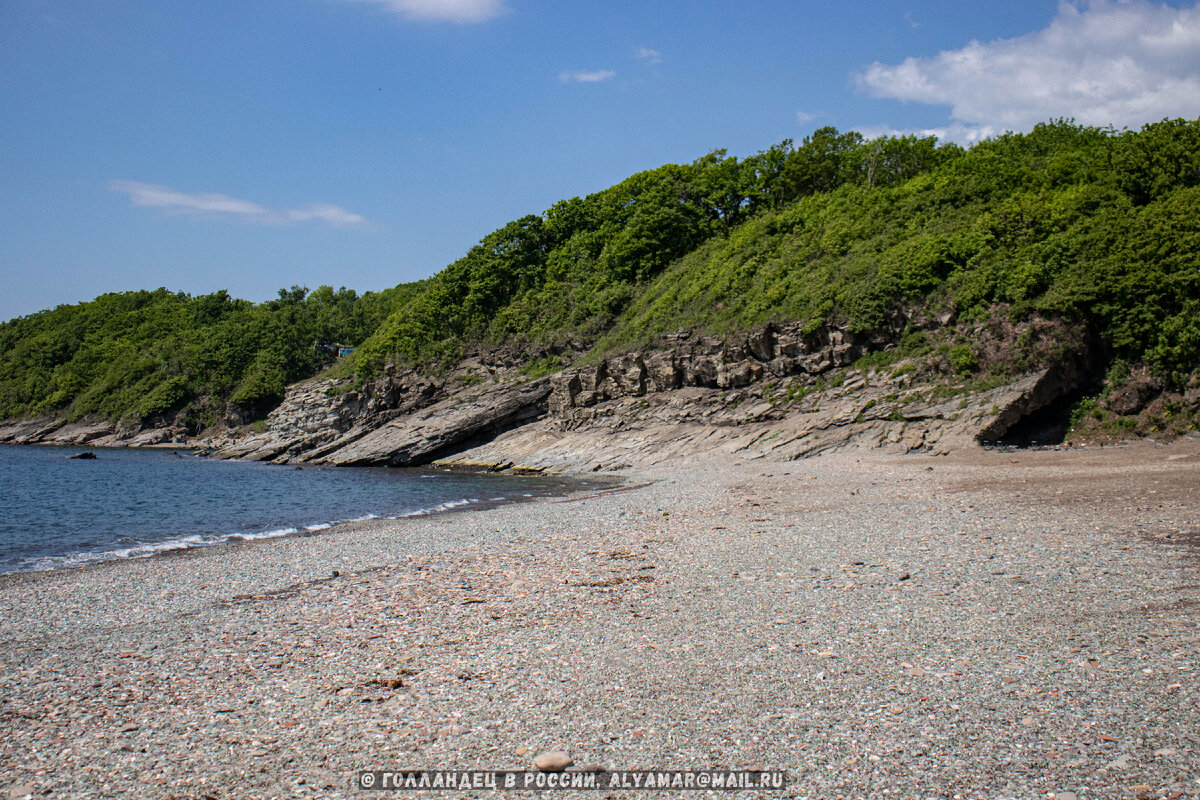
<point x="57" y="512"/>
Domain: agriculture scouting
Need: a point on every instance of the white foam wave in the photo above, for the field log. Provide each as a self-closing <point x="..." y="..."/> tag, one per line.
<point x="46" y="563"/>
<point x="449" y="505"/>
<point x="250" y="537"/>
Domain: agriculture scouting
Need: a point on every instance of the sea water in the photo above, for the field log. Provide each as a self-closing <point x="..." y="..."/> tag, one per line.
<point x="60" y="512"/>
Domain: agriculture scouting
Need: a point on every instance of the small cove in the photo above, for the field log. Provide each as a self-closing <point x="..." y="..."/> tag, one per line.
<point x="58" y="512"/>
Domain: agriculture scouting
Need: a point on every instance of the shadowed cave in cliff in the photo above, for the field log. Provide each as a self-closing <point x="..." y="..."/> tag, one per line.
<point x="1041" y="427"/>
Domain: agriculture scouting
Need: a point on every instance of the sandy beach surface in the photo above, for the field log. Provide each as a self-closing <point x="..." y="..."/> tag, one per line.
<point x="985" y="624"/>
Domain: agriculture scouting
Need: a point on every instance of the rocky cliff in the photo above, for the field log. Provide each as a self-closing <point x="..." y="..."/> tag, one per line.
<point x="780" y="391"/>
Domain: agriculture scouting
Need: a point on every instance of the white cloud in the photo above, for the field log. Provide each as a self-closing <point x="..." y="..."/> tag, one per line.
<point x="807" y="116"/>
<point x="584" y="76"/>
<point x="954" y="132"/>
<point x="207" y="204"/>
<point x="1110" y="62"/>
<point x="648" y="55"/>
<point x="445" y="10"/>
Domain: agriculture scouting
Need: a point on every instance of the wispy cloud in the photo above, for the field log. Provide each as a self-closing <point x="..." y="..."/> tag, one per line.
<point x="807" y="116"/>
<point x="222" y="206"/>
<point x="462" y="11"/>
<point x="648" y="55"/>
<point x="585" y="76"/>
<point x="336" y="216"/>
<point x="1110" y="62"/>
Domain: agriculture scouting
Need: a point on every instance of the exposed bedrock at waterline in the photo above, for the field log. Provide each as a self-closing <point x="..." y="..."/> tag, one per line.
<point x="779" y="392"/>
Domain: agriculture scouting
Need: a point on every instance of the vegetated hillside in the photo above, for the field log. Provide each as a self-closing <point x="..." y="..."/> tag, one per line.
<point x="1095" y="231"/>
<point x="145" y="354"/>
<point x="568" y="275"/>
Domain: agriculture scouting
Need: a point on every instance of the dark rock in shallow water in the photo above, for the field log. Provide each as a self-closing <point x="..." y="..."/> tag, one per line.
<point x="83" y="455"/>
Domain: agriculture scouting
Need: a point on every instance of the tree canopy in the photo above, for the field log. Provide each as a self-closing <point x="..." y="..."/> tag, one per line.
<point x="1091" y="225"/>
<point x="140" y="354"/>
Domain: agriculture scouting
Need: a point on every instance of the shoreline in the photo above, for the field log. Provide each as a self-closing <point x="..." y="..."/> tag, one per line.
<point x="237" y="542"/>
<point x="150" y="542"/>
<point x="989" y="623"/>
<point x="303" y="550"/>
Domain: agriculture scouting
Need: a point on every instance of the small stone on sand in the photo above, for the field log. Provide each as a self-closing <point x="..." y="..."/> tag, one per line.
<point x="553" y="761"/>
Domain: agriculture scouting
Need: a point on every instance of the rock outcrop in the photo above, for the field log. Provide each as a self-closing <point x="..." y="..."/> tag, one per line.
<point x="396" y="420"/>
<point x="420" y="437"/>
<point x="867" y="408"/>
<point x="781" y="392"/>
<point x="92" y="432"/>
<point x="707" y="362"/>
<point x="1048" y="386"/>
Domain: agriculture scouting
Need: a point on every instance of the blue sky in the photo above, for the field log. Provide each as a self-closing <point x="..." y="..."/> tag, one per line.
<point x="257" y="144"/>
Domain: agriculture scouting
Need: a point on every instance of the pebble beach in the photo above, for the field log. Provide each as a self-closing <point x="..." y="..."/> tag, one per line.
<point x="991" y="624"/>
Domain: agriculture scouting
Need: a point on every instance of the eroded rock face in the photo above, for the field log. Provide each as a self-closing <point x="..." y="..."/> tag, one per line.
<point x="403" y="418"/>
<point x="399" y="419"/>
<point x="779" y="390"/>
<point x="705" y="362"/>
<point x="94" y="432"/>
<point x="28" y="431"/>
<point x="419" y="437"/>
<point x="875" y="409"/>
<point x="1135" y="394"/>
<point x="1035" y="393"/>
<point x="315" y="414"/>
<point x="777" y="393"/>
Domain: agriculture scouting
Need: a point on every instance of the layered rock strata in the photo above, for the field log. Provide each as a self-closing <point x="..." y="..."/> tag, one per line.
<point x="780" y="391"/>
